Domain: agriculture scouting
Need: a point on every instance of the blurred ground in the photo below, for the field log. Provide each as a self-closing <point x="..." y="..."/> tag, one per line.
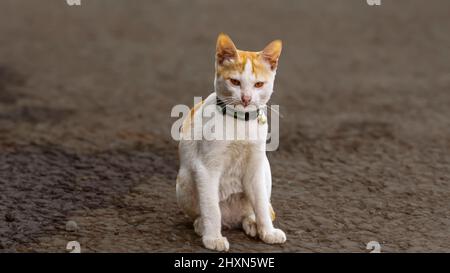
<point x="85" y="100"/>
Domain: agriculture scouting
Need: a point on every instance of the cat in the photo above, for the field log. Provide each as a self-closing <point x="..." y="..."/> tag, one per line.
<point x="228" y="183"/>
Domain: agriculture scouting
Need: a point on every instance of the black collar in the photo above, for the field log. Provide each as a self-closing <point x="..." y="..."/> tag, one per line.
<point x="222" y="107"/>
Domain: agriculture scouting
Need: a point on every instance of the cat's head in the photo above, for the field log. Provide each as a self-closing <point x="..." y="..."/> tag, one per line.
<point x="245" y="78"/>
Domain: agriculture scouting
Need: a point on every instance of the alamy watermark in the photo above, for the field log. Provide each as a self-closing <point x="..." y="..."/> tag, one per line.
<point x="373" y="2"/>
<point x="374" y="246"/>
<point x="73" y="2"/>
<point x="78" y="2"/>
<point x="227" y="123"/>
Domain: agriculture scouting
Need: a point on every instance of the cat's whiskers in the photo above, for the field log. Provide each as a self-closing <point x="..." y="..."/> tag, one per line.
<point x="234" y="102"/>
<point x="230" y="101"/>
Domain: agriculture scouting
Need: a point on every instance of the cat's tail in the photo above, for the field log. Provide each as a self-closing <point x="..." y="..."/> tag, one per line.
<point x="272" y="212"/>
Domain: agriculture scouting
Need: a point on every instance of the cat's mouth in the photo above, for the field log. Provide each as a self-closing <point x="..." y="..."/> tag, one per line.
<point x="239" y="105"/>
<point x="245" y="108"/>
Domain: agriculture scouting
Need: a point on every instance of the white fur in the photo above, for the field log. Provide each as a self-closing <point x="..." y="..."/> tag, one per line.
<point x="228" y="182"/>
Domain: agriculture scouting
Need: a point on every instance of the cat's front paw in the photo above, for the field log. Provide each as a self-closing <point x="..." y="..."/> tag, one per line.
<point x="273" y="236"/>
<point x="216" y="243"/>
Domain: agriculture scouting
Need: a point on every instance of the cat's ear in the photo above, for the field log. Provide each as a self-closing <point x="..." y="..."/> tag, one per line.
<point x="225" y="49"/>
<point x="271" y="53"/>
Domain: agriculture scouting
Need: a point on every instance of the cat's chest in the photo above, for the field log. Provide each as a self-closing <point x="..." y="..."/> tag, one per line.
<point x="235" y="165"/>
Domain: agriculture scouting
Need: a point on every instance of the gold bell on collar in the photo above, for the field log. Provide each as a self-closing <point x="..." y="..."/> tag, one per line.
<point x="262" y="119"/>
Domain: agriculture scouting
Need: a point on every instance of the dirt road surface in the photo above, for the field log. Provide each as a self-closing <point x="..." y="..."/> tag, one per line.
<point x="85" y="100"/>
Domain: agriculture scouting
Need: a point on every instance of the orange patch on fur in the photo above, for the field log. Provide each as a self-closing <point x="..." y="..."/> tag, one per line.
<point x="259" y="66"/>
<point x="189" y="120"/>
<point x="230" y="60"/>
<point x="272" y="212"/>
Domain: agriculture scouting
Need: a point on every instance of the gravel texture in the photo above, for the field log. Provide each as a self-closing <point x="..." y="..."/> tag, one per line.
<point x="85" y="100"/>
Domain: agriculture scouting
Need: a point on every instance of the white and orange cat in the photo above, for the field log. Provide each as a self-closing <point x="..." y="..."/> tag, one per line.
<point x="227" y="183"/>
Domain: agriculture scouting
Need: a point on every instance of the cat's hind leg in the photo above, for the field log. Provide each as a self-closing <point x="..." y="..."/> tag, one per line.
<point x="234" y="209"/>
<point x="237" y="212"/>
<point x="249" y="223"/>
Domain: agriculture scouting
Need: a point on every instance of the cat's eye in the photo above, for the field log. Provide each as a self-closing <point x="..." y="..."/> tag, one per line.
<point x="235" y="82"/>
<point x="259" y="84"/>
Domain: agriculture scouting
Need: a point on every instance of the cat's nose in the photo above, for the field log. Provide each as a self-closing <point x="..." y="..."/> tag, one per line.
<point x="246" y="100"/>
